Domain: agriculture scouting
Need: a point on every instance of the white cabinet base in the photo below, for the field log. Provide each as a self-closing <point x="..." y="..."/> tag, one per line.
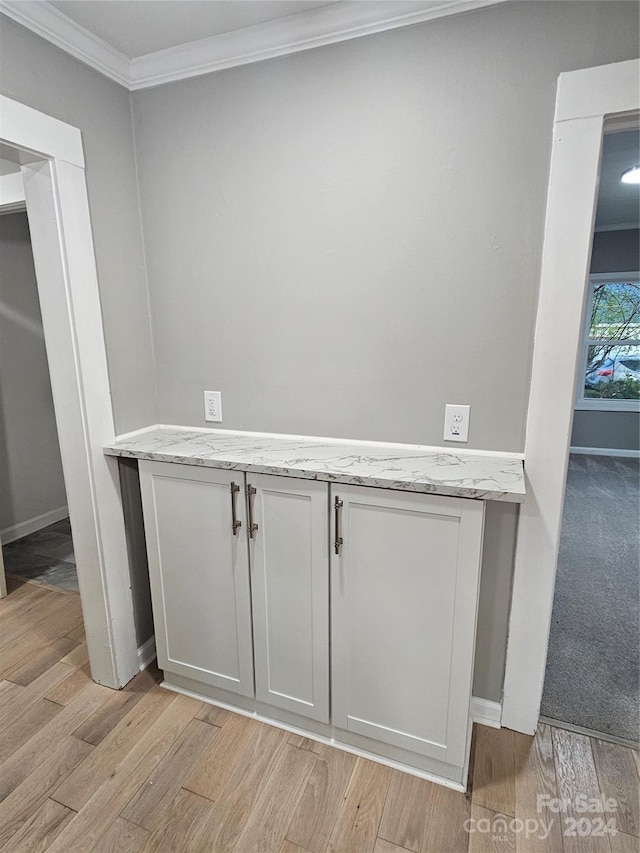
<point x="395" y="757"/>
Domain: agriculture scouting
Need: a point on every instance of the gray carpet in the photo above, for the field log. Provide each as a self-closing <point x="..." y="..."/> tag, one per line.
<point x="46" y="556"/>
<point x="592" y="677"/>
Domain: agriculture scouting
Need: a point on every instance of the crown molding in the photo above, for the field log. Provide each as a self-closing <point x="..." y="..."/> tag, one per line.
<point x="341" y="21"/>
<point x="627" y="121"/>
<point x="46" y="21"/>
<point x="295" y="33"/>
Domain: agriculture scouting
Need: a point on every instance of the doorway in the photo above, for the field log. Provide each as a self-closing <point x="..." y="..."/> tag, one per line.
<point x="50" y="155"/>
<point x="593" y="663"/>
<point x="35" y="531"/>
<point x="584" y="98"/>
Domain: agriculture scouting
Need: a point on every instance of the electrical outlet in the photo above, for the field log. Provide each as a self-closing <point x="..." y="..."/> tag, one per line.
<point x="456" y="422"/>
<point x="213" y="406"/>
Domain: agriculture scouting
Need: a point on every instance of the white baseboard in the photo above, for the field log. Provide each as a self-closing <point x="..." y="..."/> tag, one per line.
<point x="606" y="451"/>
<point x="147" y="653"/>
<point x="486" y="712"/>
<point x="32" y="525"/>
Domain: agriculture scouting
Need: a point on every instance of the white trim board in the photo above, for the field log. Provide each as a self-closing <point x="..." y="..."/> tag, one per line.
<point x="486" y="712"/>
<point x="606" y="451"/>
<point x="338" y="22"/>
<point x="604" y="405"/>
<point x="147" y="652"/>
<point x="584" y="99"/>
<point x="32" y="525"/>
<point x="58" y="210"/>
<point x="18" y="207"/>
<point x="38" y="131"/>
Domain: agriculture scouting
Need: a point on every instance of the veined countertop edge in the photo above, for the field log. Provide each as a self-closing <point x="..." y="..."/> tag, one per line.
<point x="485" y="475"/>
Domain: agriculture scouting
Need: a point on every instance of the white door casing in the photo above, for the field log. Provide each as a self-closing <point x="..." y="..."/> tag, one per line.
<point x="584" y="99"/>
<point x="52" y="161"/>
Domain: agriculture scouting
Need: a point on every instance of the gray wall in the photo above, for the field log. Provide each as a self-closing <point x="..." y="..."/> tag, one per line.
<point x="39" y="75"/>
<point x="136" y="548"/>
<point x="616" y="251"/>
<point x="501" y="524"/>
<point x="31" y="482"/>
<point x="303" y="222"/>
<point x="615" y="430"/>
<point x="343" y="240"/>
<point x="613" y="251"/>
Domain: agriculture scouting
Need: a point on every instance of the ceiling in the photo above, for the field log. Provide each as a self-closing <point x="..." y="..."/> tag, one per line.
<point x="136" y="27"/>
<point x="618" y="203"/>
<point x="143" y="43"/>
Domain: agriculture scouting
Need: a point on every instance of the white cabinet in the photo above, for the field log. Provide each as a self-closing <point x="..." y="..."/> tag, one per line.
<point x="290" y="590"/>
<point x="404" y="600"/>
<point x="249" y="572"/>
<point x="199" y="563"/>
<point x="199" y="573"/>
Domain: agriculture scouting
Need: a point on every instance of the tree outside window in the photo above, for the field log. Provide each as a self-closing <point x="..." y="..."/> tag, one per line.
<point x="611" y="352"/>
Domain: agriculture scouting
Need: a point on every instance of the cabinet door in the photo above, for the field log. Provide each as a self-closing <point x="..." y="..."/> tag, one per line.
<point x="404" y="602"/>
<point x="199" y="573"/>
<point x="290" y="590"/>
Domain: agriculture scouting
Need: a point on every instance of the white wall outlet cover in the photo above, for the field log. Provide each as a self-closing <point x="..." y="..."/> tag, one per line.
<point x="456" y="422"/>
<point x="213" y="406"/>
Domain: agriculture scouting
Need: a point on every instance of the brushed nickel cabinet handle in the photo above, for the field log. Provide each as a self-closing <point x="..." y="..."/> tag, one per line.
<point x="235" y="524"/>
<point x="337" y="506"/>
<point x="252" y="526"/>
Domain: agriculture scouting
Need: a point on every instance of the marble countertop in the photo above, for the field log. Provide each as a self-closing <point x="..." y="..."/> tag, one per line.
<point x="406" y="467"/>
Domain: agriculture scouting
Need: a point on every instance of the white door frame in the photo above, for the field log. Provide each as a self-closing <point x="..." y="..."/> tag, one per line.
<point x="52" y="163"/>
<point x="583" y="100"/>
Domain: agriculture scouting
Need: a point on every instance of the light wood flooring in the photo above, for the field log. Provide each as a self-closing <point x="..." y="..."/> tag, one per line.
<point x="84" y="769"/>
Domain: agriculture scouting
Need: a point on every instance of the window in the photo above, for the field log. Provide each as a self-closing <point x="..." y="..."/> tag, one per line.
<point x="609" y="377"/>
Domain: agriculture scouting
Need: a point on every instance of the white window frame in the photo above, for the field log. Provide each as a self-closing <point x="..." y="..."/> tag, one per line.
<point x="606" y="405"/>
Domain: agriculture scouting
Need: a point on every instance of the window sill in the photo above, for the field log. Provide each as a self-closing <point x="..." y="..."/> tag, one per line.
<point x="607" y="406"/>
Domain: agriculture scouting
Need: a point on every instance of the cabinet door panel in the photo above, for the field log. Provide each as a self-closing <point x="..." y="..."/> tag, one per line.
<point x="404" y="591"/>
<point x="290" y="588"/>
<point x="199" y="574"/>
